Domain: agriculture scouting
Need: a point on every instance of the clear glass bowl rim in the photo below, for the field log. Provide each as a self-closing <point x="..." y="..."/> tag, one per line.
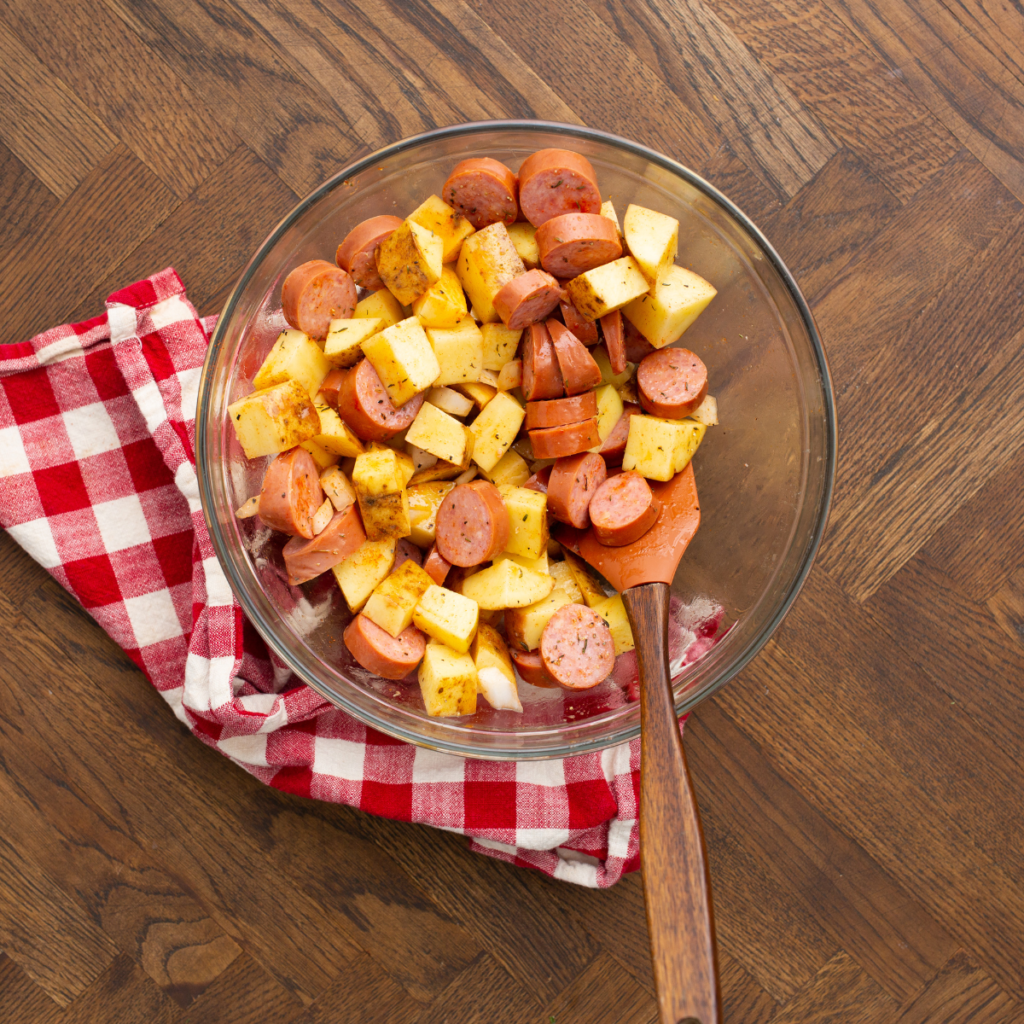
<point x="684" y="703"/>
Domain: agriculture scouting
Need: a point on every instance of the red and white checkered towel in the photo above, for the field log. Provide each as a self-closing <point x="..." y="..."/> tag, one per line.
<point x="98" y="485"/>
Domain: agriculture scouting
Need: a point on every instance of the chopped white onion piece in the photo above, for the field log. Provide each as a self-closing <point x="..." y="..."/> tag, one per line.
<point x="450" y="401"/>
<point x="323" y="515"/>
<point x="249" y="509"/>
<point x="499" y="691"/>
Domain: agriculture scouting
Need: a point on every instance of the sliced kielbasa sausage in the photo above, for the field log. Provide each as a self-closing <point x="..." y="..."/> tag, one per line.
<point x="614" y="446"/>
<point x="307" y="559"/>
<point x="357" y="252"/>
<point x="531" y="668"/>
<point x="436" y="566"/>
<point x="557" y="181"/>
<point x="527" y="299"/>
<point x="576" y="647"/>
<point x="637" y="346"/>
<point x="364" y="404"/>
<point x="316" y="293"/>
<point x="585" y="330"/>
<point x="572" y="485"/>
<point x="558" y="411"/>
<point x="483" y="191"/>
<point x="614" y="340"/>
<point x="574" y="243"/>
<point x="623" y="509"/>
<point x="541" y="376"/>
<point x="291" y="493"/>
<point x="579" y="370"/>
<point x="381" y="653"/>
<point x="569" y="439"/>
<point x="472" y="524"/>
<point x="672" y="382"/>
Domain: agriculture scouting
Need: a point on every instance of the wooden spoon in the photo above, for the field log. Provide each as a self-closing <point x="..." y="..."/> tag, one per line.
<point x="677" y="887"/>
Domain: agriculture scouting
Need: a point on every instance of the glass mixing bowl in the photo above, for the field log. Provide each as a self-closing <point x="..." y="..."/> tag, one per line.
<point x="764" y="474"/>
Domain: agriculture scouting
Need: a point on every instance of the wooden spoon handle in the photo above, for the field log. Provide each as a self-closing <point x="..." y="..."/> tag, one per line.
<point x="677" y="888"/>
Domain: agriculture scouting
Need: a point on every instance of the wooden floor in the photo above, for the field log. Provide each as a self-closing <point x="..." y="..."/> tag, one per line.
<point x="862" y="783"/>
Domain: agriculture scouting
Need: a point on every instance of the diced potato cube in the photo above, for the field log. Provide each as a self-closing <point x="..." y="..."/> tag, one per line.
<point x="335" y="434"/>
<point x="662" y="315"/>
<point x="490" y="651"/>
<point x="528" y="521"/>
<point x="592" y="591"/>
<point x="295" y="356"/>
<point x="536" y="564"/>
<point x="607" y="288"/>
<point x="442" y="435"/>
<point x="381" y="305"/>
<point x="506" y="585"/>
<point x="450" y="401"/>
<point x="487" y="262"/>
<point x="500" y="345"/>
<point x="481" y="394"/>
<point x="608" y="210"/>
<point x="524" y="238"/>
<point x="379" y="483"/>
<point x="441" y="470"/>
<point x="706" y="412"/>
<point x="452" y="228"/>
<point x="343" y="345"/>
<point x="338" y="488"/>
<point x="447" y="616"/>
<point x="652" y="239"/>
<point x="274" y="420"/>
<point x="360" y="573"/>
<point x="406" y="467"/>
<point x="609" y="412"/>
<point x="448" y="682"/>
<point x="565" y="580"/>
<point x="499" y="691"/>
<point x="511" y="375"/>
<point x="394" y="599"/>
<point x="409" y="261"/>
<point x="658" y="448"/>
<point x="321" y="456"/>
<point x="443" y="303"/>
<point x="524" y="626"/>
<point x="495" y="429"/>
<point x="510" y="470"/>
<point x="403" y="359"/>
<point x="613" y="611"/>
<point x="424" y="501"/>
<point x="459" y="352"/>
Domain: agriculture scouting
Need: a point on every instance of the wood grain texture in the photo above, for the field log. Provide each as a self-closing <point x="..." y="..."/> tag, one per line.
<point x="860" y="781"/>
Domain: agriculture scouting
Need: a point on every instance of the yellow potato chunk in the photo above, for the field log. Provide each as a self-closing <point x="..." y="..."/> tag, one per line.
<point x="452" y="228"/>
<point x="480" y="393"/>
<point x="447" y="616"/>
<point x="490" y="651"/>
<point x="487" y="262"/>
<point x="442" y="435"/>
<point x="459" y="351"/>
<point x="344" y="343"/>
<point x="321" y="456"/>
<point x="394" y="599"/>
<point x="706" y="412"/>
<point x="528" y="521"/>
<point x="658" y="448"/>
<point x="505" y="584"/>
<point x="524" y="238"/>
<point x="564" y="580"/>
<point x="613" y="611"/>
<point x="617" y="380"/>
<point x="591" y="591"/>
<point x="652" y="239"/>
<point x="536" y="564"/>
<point x="338" y="488"/>
<point x="495" y="429"/>
<point x="335" y="434"/>
<point x="607" y="288"/>
<point x="363" y="570"/>
<point x="295" y="356"/>
<point x="679" y="297"/>
<point x="609" y="412"/>
<point x="450" y="401"/>
<point x="424" y="501"/>
<point x="379" y="482"/>
<point x="381" y="305"/>
<point x="409" y="261"/>
<point x="448" y="682"/>
<point x="439" y="471"/>
<point x="274" y="419"/>
<point x="403" y="359"/>
<point x="524" y="626"/>
<point x="443" y="304"/>
<point x="500" y="345"/>
<point x="510" y="470"/>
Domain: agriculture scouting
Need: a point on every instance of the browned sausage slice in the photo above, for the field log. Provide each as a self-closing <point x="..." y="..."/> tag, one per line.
<point x="614" y="446"/>
<point x="574" y="243"/>
<point x="672" y="382"/>
<point x="316" y="293"/>
<point x="539" y="480"/>
<point x="483" y="191"/>
<point x="436" y="566"/>
<point x="356" y="252"/>
<point x="573" y="482"/>
<point x="623" y="509"/>
<point x="541" y="376"/>
<point x="560" y="410"/>
<point x="579" y="370"/>
<point x="576" y="647"/>
<point x="569" y="439"/>
<point x="585" y="330"/>
<point x="472" y="524"/>
<point x="381" y="653"/>
<point x="406" y="551"/>
<point x="307" y="559"/>
<point x="637" y="346"/>
<point x="364" y="404"/>
<point x="330" y="387"/>
<point x="531" y="668"/>
<point x="557" y="181"/>
<point x="614" y="341"/>
<point x="291" y="493"/>
<point x="527" y="299"/>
